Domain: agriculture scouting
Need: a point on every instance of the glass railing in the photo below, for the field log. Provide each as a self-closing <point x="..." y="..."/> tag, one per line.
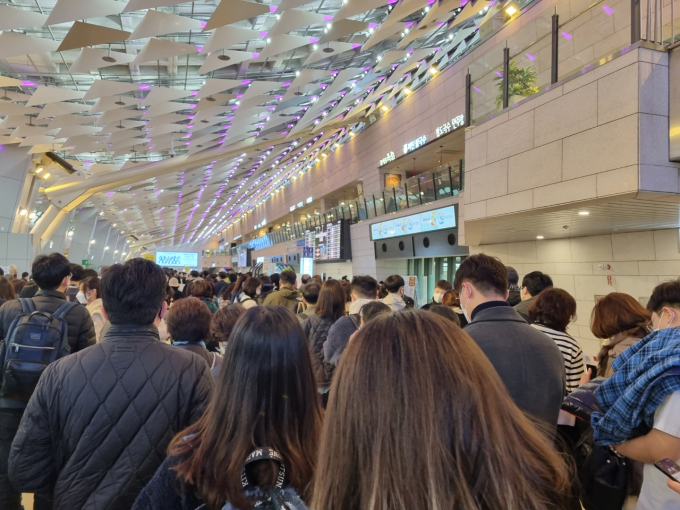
<point x="585" y="32"/>
<point x="443" y="182"/>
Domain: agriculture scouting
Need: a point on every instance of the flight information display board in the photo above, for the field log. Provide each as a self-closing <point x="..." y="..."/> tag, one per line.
<point x="329" y="241"/>
<point x="438" y="219"/>
<point x="177" y="259"/>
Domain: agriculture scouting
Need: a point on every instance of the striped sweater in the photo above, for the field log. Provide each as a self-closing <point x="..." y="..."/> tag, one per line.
<point x="572" y="353"/>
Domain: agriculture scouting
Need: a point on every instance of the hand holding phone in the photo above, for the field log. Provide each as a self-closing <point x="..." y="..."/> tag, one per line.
<point x="669" y="468"/>
<point x="673" y="485"/>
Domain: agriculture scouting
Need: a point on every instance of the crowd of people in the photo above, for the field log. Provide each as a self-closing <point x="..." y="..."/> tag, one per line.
<point x="149" y="388"/>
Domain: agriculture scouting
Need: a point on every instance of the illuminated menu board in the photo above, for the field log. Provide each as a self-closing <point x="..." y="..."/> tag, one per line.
<point x="438" y="219"/>
<point x="329" y="241"/>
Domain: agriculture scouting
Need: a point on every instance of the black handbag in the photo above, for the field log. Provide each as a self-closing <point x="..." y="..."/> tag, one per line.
<point x="603" y="474"/>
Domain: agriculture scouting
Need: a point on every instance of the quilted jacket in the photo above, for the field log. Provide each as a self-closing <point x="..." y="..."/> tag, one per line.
<point x="99" y="423"/>
<point x="316" y="330"/>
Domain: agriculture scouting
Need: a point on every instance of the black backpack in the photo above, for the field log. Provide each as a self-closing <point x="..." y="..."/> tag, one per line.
<point x="34" y="340"/>
<point x="270" y="498"/>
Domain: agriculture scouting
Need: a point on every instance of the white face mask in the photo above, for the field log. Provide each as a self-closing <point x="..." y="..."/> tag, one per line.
<point x="464" y="308"/>
<point x="258" y="291"/>
<point x="658" y="326"/>
<point x="81" y="298"/>
<point x="437" y="297"/>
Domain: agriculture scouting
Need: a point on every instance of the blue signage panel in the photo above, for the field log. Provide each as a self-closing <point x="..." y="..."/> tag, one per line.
<point x="177" y="259"/>
<point x="438" y="219"/>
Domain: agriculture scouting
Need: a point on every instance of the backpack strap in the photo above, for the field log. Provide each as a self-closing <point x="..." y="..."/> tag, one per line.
<point x="64" y="309"/>
<point x="356" y="319"/>
<point x="27" y="305"/>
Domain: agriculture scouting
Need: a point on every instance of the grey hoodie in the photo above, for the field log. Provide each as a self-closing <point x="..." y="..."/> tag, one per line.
<point x="395" y="302"/>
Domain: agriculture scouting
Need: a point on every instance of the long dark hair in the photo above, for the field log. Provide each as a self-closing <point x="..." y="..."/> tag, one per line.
<point x="265" y="396"/>
<point x="419" y="419"/>
<point x="331" y="303"/>
<point x="238" y="286"/>
<point x="6" y="289"/>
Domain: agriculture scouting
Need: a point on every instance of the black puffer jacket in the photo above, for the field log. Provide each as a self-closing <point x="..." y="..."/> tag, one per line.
<point x="81" y="332"/>
<point x="100" y="421"/>
<point x="317" y="330"/>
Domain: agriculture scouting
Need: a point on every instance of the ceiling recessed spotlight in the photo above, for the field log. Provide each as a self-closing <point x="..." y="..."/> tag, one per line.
<point x="540" y="237"/>
<point x="511" y="10"/>
<point x="109" y="58"/>
<point x="583" y="213"/>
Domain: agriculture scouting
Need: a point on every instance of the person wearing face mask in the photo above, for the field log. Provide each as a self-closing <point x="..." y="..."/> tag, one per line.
<point x="251" y="289"/>
<point x="528" y="361"/>
<point x="643" y="392"/>
<point x="90" y="295"/>
<point x="440" y="288"/>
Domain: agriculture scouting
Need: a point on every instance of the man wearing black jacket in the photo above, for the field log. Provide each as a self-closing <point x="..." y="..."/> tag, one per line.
<point x="99" y="423"/>
<point x="51" y="273"/>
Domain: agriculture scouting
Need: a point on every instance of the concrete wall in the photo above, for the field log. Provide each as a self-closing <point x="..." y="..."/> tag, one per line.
<point x="638" y="262"/>
<point x="601" y="135"/>
<point x="17" y="249"/>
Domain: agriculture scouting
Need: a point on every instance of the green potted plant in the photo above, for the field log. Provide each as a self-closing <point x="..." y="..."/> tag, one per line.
<point x="522" y="83"/>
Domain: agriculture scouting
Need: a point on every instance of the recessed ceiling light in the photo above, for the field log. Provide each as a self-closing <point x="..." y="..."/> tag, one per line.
<point x="583" y="213"/>
<point x="540" y="237"/>
<point x="511" y="10"/>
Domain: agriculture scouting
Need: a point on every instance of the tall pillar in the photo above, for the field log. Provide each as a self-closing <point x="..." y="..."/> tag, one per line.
<point x="79" y="248"/>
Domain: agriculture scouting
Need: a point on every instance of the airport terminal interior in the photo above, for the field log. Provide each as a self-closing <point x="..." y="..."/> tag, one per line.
<point x="340" y="254"/>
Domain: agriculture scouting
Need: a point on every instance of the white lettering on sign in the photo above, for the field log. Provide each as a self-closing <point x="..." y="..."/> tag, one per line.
<point x="292" y="208"/>
<point x="387" y="159"/>
<point x="451" y="126"/>
<point x="415" y="144"/>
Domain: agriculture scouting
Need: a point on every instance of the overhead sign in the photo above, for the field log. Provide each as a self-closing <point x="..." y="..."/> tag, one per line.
<point x="177" y="259"/>
<point x="456" y="122"/>
<point x="439" y="219"/>
<point x="309" y="200"/>
<point x="415" y="144"/>
<point x="387" y="159"/>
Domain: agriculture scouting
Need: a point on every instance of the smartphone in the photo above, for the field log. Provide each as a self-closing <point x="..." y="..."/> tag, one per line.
<point x="669" y="468"/>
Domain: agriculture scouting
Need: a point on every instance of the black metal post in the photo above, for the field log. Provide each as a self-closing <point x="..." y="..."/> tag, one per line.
<point x="635" y="21"/>
<point x="506" y="77"/>
<point x="468" y="99"/>
<point x="420" y="191"/>
<point x="461" y="174"/>
<point x="450" y="182"/>
<point x="394" y="194"/>
<point x="408" y="206"/>
<point x="555" y="48"/>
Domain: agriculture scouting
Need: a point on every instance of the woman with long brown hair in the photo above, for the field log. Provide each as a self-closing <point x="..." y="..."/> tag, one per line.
<point x="419" y="419"/>
<point x="620" y="320"/>
<point x="6" y="290"/>
<point x="265" y="397"/>
<point x="329" y="308"/>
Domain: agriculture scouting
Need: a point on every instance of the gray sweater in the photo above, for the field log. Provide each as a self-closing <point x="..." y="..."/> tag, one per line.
<point x="529" y="362"/>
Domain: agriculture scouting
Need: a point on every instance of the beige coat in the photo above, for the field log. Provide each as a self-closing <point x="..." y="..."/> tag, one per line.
<point x="620" y="343"/>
